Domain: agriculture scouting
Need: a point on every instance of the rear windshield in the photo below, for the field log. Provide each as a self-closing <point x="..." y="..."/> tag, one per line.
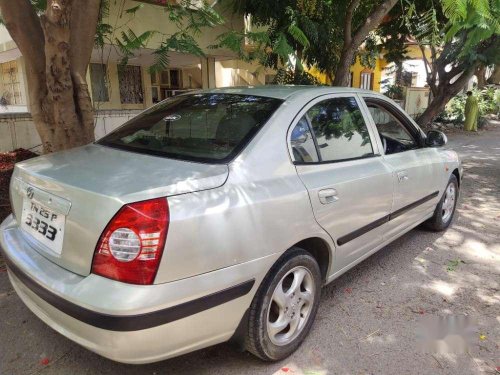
<point x="198" y="127"/>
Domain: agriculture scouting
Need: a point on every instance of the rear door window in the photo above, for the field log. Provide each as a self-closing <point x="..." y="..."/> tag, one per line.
<point x="199" y="127"/>
<point x="302" y="141"/>
<point x="340" y="130"/>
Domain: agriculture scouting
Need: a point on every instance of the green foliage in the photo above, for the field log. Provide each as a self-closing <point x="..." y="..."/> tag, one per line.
<point x="425" y="25"/>
<point x="104" y="30"/>
<point x="39" y="5"/>
<point x="369" y="54"/>
<point x="395" y="92"/>
<point x="480" y="19"/>
<point x="488" y="102"/>
<point x="180" y="42"/>
<point x="288" y="77"/>
<point x="290" y="29"/>
<point x="471" y="22"/>
<point x="453" y="264"/>
<point x="190" y="18"/>
<point x="130" y="42"/>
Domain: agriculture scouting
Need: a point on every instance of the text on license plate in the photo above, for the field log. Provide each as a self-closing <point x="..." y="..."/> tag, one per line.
<point x="43" y="224"/>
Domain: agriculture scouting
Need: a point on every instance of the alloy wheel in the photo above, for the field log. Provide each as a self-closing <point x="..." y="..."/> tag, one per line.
<point x="449" y="202"/>
<point x="291" y="306"/>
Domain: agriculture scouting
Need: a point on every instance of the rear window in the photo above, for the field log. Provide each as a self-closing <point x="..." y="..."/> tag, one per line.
<point x="198" y="127"/>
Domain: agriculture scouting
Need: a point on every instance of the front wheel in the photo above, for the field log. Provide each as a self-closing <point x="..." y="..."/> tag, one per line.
<point x="445" y="210"/>
<point x="284" y="308"/>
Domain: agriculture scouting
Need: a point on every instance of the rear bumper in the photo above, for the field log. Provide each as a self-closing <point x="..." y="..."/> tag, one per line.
<point x="131" y="323"/>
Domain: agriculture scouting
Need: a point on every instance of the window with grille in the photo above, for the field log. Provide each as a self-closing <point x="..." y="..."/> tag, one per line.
<point x="366" y="81"/>
<point x="11" y="84"/>
<point x="130" y="81"/>
<point x="98" y="78"/>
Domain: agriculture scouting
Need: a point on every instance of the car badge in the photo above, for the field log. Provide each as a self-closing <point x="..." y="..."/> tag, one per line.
<point x="30" y="192"/>
<point x="172" y="118"/>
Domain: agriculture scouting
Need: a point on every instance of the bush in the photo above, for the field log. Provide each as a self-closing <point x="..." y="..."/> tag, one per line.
<point x="395" y="92"/>
<point x="290" y="77"/>
<point x="488" y="101"/>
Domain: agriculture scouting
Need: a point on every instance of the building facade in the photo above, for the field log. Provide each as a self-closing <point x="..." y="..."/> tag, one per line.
<point x="120" y="92"/>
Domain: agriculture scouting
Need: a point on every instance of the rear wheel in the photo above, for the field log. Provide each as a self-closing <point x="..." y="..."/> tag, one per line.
<point x="284" y="308"/>
<point x="445" y="210"/>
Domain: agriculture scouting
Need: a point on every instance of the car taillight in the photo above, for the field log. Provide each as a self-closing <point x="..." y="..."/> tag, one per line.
<point x="131" y="246"/>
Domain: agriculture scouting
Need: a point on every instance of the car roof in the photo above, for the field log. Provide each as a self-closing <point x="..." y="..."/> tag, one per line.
<point x="285" y="91"/>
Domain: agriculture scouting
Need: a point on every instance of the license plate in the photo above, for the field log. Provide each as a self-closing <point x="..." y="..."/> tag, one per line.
<point x="45" y="225"/>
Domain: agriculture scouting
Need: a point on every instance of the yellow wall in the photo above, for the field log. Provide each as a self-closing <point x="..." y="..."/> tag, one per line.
<point x="414" y="52"/>
<point x="155" y="17"/>
<point x="356" y="70"/>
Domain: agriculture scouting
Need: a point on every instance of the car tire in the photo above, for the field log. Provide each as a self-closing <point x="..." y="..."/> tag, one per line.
<point x="278" y="322"/>
<point x="445" y="210"/>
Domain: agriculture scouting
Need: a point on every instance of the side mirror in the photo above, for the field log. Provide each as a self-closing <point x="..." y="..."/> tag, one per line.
<point x="435" y="138"/>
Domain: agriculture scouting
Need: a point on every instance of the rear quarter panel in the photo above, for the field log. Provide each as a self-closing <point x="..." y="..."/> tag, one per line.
<point x="262" y="209"/>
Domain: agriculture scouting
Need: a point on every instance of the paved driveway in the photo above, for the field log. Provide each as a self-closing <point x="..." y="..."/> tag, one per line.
<point x="368" y="319"/>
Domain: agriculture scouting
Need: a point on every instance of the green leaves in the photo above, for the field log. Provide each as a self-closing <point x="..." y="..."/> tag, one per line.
<point x="423" y="26"/>
<point x="130" y="42"/>
<point x="179" y="42"/>
<point x="190" y="17"/>
<point x="298" y="34"/>
<point x="479" y="19"/>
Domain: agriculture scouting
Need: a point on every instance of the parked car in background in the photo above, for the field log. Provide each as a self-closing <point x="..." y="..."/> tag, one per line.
<point x="219" y="215"/>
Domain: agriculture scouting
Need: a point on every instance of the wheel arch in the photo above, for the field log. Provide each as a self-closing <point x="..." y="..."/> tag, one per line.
<point x="320" y="251"/>
<point x="456" y="172"/>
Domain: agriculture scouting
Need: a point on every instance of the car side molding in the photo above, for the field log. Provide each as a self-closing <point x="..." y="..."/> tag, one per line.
<point x="128" y="323"/>
<point x="377" y="223"/>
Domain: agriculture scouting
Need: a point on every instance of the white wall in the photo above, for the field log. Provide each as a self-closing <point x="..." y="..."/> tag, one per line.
<point x="18" y="131"/>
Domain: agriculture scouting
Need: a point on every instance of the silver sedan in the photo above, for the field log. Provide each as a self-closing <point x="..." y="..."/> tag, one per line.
<point x="219" y="215"/>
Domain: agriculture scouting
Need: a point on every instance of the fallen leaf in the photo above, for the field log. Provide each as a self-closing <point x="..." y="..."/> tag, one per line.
<point x="348" y="290"/>
<point x="453" y="264"/>
<point x="482" y="337"/>
<point x="44" y="361"/>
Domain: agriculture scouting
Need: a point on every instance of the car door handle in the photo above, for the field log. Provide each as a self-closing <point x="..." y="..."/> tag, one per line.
<point x="327" y="196"/>
<point x="403" y="176"/>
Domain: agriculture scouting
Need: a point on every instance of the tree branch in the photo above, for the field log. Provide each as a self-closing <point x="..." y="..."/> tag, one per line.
<point x="84" y="19"/>
<point x="372" y="21"/>
<point x="428" y="70"/>
<point x="24" y="27"/>
<point x="348" y="22"/>
<point x="460" y="82"/>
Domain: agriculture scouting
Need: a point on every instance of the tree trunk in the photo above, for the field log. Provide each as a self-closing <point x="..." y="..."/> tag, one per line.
<point x="57" y="48"/>
<point x="481" y="76"/>
<point x="444" y="92"/>
<point x="343" y="71"/>
<point x="436" y="106"/>
<point x="495" y="76"/>
<point x="352" y="42"/>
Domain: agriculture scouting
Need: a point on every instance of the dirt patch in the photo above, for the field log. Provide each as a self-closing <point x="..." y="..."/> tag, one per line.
<point x="7" y="162"/>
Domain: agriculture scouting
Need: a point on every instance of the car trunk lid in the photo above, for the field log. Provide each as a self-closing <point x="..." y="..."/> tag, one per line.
<point x="77" y="192"/>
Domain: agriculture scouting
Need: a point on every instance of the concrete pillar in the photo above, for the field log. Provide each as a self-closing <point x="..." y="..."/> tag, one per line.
<point x="208" y="72"/>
